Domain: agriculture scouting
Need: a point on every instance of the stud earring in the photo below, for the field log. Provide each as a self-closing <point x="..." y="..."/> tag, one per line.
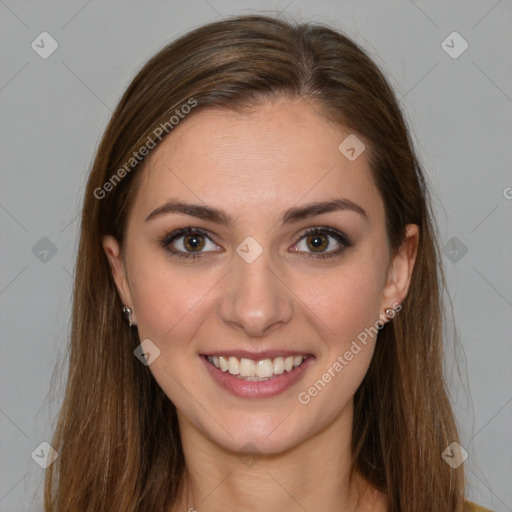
<point x="391" y="312"/>
<point x="128" y="314"/>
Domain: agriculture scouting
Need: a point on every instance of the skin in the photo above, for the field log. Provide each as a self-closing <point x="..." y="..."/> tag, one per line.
<point x="254" y="166"/>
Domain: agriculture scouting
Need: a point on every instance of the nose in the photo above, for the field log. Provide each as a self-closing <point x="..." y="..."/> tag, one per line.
<point x="256" y="298"/>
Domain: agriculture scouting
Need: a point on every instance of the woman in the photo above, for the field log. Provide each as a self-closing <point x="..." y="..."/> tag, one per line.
<point x="258" y="313"/>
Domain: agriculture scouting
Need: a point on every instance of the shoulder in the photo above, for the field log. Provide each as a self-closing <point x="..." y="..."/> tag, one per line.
<point x="472" y="507"/>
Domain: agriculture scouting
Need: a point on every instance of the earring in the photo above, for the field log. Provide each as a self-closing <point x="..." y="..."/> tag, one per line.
<point x="391" y="312"/>
<point x="128" y="314"/>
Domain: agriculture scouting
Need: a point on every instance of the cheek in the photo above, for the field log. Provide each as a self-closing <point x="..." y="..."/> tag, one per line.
<point x="347" y="313"/>
<point x="163" y="299"/>
<point x="349" y="301"/>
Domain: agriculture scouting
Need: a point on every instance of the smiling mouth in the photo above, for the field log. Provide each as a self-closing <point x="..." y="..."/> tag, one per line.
<point x="257" y="370"/>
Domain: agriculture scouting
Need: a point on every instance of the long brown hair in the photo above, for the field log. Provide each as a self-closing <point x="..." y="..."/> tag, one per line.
<point x="117" y="434"/>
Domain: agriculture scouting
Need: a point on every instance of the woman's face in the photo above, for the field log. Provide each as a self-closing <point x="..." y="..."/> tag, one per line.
<point x="248" y="284"/>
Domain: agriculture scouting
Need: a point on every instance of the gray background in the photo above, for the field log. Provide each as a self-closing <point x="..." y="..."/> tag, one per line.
<point x="54" y="110"/>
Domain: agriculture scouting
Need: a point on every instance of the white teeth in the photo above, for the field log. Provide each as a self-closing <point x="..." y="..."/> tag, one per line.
<point x="247" y="367"/>
<point x="263" y="369"/>
<point x="278" y="365"/>
<point x="233" y="365"/>
<point x="223" y="363"/>
<point x="297" y="360"/>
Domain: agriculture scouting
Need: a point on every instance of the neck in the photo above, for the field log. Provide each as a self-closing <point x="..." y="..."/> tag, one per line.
<point x="313" y="475"/>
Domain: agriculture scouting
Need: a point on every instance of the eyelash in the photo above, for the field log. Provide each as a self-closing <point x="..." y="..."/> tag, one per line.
<point x="340" y="237"/>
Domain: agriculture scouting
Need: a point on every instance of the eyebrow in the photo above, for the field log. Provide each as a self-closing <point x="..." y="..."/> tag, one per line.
<point x="292" y="215"/>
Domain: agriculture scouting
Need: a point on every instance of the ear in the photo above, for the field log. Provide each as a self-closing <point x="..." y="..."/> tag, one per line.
<point x="400" y="269"/>
<point x="113" y="251"/>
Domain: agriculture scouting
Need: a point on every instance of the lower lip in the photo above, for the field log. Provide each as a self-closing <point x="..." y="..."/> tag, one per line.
<point x="257" y="389"/>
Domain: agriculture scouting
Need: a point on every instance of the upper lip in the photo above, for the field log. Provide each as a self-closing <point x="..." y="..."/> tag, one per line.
<point x="256" y="356"/>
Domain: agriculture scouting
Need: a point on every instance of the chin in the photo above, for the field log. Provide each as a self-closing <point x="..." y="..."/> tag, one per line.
<point x="250" y="432"/>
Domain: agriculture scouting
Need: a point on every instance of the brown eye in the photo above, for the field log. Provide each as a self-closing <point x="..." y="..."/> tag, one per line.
<point x="317" y="241"/>
<point x="193" y="242"/>
<point x="188" y="243"/>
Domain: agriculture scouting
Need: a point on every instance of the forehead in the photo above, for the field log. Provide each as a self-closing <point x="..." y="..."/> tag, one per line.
<point x="279" y="153"/>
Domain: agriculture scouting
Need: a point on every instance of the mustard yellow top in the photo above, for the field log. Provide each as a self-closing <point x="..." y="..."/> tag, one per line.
<point x="472" y="507"/>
